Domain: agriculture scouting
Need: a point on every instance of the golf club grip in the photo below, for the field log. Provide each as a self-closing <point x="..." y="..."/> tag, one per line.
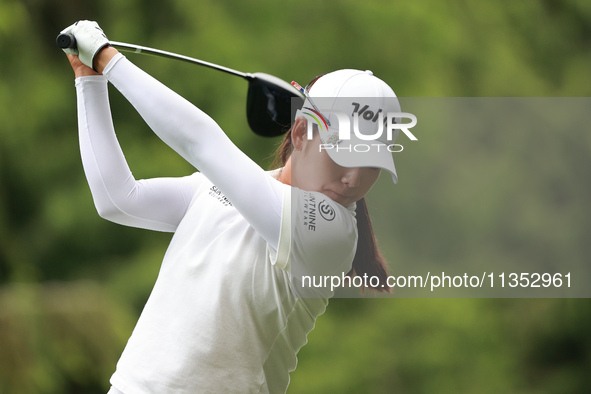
<point x="66" y="40"/>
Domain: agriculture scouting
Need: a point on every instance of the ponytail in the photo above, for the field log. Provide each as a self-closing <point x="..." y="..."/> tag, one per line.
<point x="368" y="258"/>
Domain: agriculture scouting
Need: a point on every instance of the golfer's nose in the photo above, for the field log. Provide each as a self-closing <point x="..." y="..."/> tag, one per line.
<point x="351" y="176"/>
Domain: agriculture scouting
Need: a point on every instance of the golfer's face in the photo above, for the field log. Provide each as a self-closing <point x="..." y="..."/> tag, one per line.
<point x="314" y="170"/>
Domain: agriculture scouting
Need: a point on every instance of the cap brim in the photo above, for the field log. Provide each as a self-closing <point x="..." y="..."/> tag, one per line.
<point x="358" y="153"/>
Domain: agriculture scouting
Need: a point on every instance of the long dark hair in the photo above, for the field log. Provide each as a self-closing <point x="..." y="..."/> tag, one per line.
<point x="368" y="258"/>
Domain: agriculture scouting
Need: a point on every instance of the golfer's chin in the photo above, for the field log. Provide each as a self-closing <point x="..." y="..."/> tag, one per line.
<point x="344" y="200"/>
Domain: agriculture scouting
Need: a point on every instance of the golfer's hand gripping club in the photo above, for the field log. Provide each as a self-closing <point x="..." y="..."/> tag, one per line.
<point x="83" y="38"/>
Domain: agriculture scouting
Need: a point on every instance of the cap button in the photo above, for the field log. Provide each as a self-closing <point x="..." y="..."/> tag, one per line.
<point x="369" y="72"/>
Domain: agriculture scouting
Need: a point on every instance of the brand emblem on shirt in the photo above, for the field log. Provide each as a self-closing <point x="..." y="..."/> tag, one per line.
<point x="326" y="210"/>
<point x="312" y="208"/>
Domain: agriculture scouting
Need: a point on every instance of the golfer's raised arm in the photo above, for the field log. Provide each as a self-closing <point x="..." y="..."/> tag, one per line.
<point x="155" y="204"/>
<point x="199" y="139"/>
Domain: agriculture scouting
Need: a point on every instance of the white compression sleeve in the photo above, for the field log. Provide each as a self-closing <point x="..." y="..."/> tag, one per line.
<point x="155" y="204"/>
<point x="198" y="138"/>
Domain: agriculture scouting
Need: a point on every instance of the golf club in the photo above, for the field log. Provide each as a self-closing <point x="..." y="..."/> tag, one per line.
<point x="268" y="100"/>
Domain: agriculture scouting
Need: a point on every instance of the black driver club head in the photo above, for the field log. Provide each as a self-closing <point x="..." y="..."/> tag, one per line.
<point x="269" y="104"/>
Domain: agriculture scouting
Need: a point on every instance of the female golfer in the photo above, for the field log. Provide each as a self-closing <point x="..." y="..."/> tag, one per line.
<point x="228" y="312"/>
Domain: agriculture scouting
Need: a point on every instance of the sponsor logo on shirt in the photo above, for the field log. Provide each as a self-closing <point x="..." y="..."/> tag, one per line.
<point x="312" y="208"/>
<point x="217" y="194"/>
<point x="326" y="210"/>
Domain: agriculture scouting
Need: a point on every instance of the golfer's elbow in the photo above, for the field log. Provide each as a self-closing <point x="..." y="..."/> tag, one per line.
<point x="108" y="211"/>
<point x="111" y="207"/>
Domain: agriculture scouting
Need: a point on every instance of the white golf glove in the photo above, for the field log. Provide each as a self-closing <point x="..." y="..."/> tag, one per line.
<point x="90" y="39"/>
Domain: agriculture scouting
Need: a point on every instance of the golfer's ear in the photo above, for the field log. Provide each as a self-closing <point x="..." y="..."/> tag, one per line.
<point x="299" y="133"/>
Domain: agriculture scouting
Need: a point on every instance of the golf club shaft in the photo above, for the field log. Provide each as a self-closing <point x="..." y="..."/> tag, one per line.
<point x="66" y="40"/>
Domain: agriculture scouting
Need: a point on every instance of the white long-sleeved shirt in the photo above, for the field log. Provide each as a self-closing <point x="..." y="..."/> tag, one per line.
<point x="227" y="313"/>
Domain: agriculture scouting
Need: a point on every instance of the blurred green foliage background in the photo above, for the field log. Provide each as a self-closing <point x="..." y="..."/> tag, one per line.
<point x="72" y="285"/>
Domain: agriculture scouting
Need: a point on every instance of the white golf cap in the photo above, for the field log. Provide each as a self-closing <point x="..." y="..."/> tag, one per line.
<point x="360" y="99"/>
